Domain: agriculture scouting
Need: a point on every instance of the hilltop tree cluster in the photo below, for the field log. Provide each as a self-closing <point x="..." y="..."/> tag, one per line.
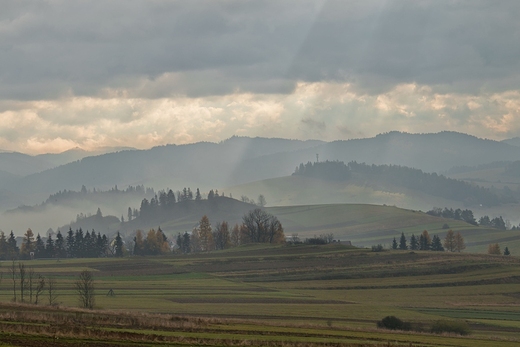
<point x="452" y="242"/>
<point x="166" y="200"/>
<point x="458" y="214"/>
<point x="430" y="183"/>
<point x="467" y="216"/>
<point x="258" y="226"/>
<point x="330" y="170"/>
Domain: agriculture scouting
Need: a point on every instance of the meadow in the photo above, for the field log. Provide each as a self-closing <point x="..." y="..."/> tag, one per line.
<point x="260" y="295"/>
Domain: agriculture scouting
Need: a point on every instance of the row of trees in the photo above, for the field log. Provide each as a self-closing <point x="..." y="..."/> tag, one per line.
<point x="75" y="245"/>
<point x="458" y="214"/>
<point x="494" y="248"/>
<point x="467" y="216"/>
<point x="165" y="200"/>
<point x="154" y="243"/>
<point x="258" y="226"/>
<point x="452" y="242"/>
<point x="430" y="183"/>
<point x="30" y="288"/>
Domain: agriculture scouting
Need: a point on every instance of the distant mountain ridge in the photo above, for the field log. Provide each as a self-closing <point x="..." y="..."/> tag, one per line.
<point x="241" y="159"/>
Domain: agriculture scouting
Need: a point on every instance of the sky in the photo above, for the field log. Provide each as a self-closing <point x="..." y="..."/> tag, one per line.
<point x="142" y="73"/>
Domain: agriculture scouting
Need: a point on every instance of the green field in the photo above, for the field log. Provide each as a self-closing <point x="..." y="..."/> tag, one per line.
<point x="367" y="225"/>
<point x="273" y="295"/>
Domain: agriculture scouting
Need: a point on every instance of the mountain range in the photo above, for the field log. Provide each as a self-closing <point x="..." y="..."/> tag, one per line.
<point x="235" y="162"/>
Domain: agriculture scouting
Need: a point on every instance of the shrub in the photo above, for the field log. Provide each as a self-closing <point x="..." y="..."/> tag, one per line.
<point x="393" y="323"/>
<point x="451" y="326"/>
<point x="377" y="248"/>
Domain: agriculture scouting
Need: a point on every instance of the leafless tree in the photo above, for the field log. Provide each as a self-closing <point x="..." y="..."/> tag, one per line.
<point x="13" y="272"/>
<point x="85" y="289"/>
<point x="39" y="288"/>
<point x="51" y="291"/>
<point x="262" y="226"/>
<point x="22" y="278"/>
<point x="30" y="278"/>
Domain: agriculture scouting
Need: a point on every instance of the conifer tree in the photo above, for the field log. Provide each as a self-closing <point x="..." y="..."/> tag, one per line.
<point x="402" y="242"/>
<point x="3" y="246"/>
<point x="506" y="251"/>
<point x="12" y="248"/>
<point x="437" y="244"/>
<point x="119" y="246"/>
<point x="414" y="244"/>
<point x="28" y="244"/>
<point x="49" y="247"/>
<point x="425" y="241"/>
<point x="39" y="247"/>
<point x="394" y="244"/>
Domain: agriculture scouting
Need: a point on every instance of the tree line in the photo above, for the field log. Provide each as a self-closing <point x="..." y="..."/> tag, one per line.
<point x="74" y="245"/>
<point x="166" y="200"/>
<point x="452" y="242"/>
<point x="258" y="226"/>
<point x="468" y="217"/>
<point x="430" y="183"/>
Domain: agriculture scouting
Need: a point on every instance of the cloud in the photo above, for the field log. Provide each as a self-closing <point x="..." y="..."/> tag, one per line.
<point x="142" y="73"/>
<point x="155" y="49"/>
<point x="327" y="111"/>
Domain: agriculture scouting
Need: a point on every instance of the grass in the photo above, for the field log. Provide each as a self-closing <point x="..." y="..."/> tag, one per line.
<point x="276" y="295"/>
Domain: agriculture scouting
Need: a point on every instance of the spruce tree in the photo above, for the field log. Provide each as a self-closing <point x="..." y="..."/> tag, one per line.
<point x="414" y="243"/>
<point x="39" y="247"/>
<point x="119" y="246"/>
<point x="49" y="247"/>
<point x="394" y="244"/>
<point x="506" y="251"/>
<point x="437" y="244"/>
<point x="402" y="242"/>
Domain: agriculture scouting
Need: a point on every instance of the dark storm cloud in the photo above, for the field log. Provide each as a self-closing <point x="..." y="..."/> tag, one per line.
<point x="163" y="48"/>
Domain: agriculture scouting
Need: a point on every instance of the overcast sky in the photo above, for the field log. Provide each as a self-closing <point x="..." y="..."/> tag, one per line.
<point x="144" y="73"/>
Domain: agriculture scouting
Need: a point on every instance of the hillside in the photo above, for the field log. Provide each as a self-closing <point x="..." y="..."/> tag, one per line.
<point x="263" y="295"/>
<point x="240" y="160"/>
<point x="362" y="224"/>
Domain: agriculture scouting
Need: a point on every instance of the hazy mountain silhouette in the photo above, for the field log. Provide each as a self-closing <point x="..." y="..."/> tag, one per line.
<point x="240" y="160"/>
<point x="515" y="141"/>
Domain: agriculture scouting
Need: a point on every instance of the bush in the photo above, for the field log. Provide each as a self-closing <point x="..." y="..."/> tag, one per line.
<point x="377" y="248"/>
<point x="393" y="323"/>
<point x="451" y="326"/>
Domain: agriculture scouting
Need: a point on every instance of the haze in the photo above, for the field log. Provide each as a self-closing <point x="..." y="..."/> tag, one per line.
<point x="94" y="74"/>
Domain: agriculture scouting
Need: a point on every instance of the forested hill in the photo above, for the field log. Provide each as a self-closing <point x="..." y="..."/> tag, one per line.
<point x="401" y="176"/>
<point x="239" y="160"/>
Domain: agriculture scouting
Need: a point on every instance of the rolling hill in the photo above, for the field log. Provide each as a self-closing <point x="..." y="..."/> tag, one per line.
<point x="362" y="224"/>
<point x="240" y="160"/>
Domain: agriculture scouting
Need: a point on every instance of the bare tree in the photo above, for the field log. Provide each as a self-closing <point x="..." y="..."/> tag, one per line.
<point x="30" y="278"/>
<point x="39" y="288"/>
<point x="51" y="291"/>
<point x="85" y="289"/>
<point x="13" y="272"/>
<point x="261" y="201"/>
<point x="22" y="274"/>
<point x="262" y="226"/>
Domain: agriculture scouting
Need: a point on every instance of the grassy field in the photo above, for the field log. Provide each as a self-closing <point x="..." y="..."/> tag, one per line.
<point x="367" y="225"/>
<point x="261" y="295"/>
